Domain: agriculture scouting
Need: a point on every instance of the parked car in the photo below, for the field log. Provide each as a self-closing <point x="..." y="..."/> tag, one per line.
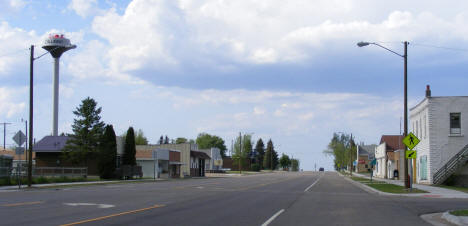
<point x="321" y="169"/>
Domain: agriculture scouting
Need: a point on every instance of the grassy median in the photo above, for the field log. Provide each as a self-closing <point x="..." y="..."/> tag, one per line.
<point x="460" y="213"/>
<point x="384" y="187"/>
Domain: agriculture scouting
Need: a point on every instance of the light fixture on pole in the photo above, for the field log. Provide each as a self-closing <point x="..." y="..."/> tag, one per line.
<point x="405" y="58"/>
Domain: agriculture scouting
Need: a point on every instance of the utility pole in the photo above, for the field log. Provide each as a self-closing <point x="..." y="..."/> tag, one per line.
<point x="31" y="72"/>
<point x="351" y="142"/>
<point x="4" y="134"/>
<point x="405" y="125"/>
<point x="240" y="153"/>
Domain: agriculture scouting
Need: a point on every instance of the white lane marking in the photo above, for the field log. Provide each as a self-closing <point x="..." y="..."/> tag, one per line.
<point x="101" y="206"/>
<point x="273" y="217"/>
<point x="313" y="183"/>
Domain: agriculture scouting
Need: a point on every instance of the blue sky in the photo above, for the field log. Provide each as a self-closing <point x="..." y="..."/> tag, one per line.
<point x="285" y="70"/>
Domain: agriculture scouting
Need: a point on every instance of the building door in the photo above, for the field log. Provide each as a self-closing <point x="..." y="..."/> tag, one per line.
<point x="201" y="164"/>
<point x="423" y="167"/>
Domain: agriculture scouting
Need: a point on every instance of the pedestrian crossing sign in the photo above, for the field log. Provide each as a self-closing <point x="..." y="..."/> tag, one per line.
<point x="410" y="154"/>
<point x="411" y="141"/>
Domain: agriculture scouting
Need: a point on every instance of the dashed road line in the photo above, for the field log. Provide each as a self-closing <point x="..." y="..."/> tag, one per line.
<point x="272" y="218"/>
<point x="307" y="189"/>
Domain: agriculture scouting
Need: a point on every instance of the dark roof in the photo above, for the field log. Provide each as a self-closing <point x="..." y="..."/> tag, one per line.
<point x="393" y="142"/>
<point x="367" y="150"/>
<point x="199" y="154"/>
<point x="51" y="144"/>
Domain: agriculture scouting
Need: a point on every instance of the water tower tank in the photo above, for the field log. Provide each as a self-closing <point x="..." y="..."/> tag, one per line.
<point x="57" y="44"/>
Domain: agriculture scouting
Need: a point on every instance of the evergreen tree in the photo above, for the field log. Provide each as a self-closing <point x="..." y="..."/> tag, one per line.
<point x="87" y="131"/>
<point x="108" y="153"/>
<point x="128" y="157"/>
<point x="270" y="160"/>
<point x="260" y="150"/>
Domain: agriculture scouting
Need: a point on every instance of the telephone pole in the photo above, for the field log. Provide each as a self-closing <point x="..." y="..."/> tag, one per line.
<point x="31" y="72"/>
<point x="240" y="153"/>
<point x="4" y="134"/>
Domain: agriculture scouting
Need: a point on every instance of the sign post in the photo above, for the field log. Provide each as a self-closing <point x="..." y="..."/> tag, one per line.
<point x="19" y="139"/>
<point x="411" y="141"/>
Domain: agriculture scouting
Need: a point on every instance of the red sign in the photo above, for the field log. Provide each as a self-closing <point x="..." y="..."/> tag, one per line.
<point x="362" y="161"/>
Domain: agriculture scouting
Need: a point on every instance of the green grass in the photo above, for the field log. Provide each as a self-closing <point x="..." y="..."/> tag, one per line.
<point x="462" y="189"/>
<point x="459" y="212"/>
<point x="243" y="172"/>
<point x="45" y="180"/>
<point x="392" y="188"/>
<point x="384" y="187"/>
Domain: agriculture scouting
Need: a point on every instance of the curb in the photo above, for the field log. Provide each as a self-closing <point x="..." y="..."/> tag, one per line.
<point x="457" y="220"/>
<point x="375" y="191"/>
<point x="36" y="186"/>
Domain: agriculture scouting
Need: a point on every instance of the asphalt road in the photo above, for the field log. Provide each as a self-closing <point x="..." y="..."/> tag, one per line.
<point x="306" y="198"/>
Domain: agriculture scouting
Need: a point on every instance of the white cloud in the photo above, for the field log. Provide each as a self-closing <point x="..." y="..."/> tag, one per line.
<point x="9" y="102"/>
<point x="83" y="8"/>
<point x="17" y="4"/>
<point x="167" y="34"/>
<point x="17" y="49"/>
<point x="259" y="111"/>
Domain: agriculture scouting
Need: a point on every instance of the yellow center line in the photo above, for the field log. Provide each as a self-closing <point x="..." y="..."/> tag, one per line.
<point x="113" y="215"/>
<point x="22" y="204"/>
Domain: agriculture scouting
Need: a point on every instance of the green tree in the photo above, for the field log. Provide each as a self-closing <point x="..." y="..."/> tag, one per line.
<point x="270" y="160"/>
<point x="140" y="138"/>
<point x="181" y="140"/>
<point x="108" y="153"/>
<point x="205" y="140"/>
<point x="295" y="164"/>
<point x="87" y="131"/>
<point x="128" y="157"/>
<point x="242" y="155"/>
<point x="284" y="161"/>
<point x="260" y="150"/>
<point x="343" y="149"/>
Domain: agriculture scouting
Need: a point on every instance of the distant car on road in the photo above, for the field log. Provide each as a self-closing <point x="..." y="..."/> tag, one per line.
<point x="321" y="169"/>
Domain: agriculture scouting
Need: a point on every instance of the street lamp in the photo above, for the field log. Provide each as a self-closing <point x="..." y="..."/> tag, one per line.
<point x="405" y="57"/>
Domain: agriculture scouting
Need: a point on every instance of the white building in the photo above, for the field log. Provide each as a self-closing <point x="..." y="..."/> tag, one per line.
<point x="389" y="156"/>
<point x="440" y="124"/>
<point x="216" y="161"/>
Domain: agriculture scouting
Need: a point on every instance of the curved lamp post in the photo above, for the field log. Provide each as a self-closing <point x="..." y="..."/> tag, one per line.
<point x="405" y="57"/>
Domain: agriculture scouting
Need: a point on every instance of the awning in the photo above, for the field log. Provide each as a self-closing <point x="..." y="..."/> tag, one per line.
<point x="199" y="154"/>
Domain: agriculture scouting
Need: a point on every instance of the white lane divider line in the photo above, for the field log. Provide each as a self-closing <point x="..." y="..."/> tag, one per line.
<point x="307" y="189"/>
<point x="273" y="217"/>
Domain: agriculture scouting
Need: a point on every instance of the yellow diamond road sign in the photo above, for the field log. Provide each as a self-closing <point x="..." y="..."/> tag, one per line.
<point x="411" y="141"/>
<point x="410" y="154"/>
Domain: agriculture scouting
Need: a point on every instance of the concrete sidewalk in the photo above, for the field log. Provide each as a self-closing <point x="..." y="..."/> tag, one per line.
<point x="434" y="192"/>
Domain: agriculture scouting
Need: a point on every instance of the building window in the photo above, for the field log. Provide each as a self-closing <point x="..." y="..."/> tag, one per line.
<point x="455" y="127"/>
<point x="417" y="128"/>
<point x="425" y="128"/>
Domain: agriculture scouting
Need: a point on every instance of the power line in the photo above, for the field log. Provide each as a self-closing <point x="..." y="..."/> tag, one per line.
<point x="439" y="47"/>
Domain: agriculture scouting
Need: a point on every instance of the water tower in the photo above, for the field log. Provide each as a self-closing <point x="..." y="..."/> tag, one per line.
<point x="56" y="44"/>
